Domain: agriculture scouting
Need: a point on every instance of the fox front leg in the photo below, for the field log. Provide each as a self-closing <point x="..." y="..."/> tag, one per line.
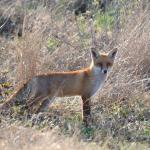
<point x="86" y="110"/>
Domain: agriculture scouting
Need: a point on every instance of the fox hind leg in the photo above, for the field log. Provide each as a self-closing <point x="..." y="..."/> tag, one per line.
<point x="34" y="102"/>
<point x="43" y="106"/>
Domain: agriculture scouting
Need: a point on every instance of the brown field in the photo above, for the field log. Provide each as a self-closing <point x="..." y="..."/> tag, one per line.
<point x="53" y="39"/>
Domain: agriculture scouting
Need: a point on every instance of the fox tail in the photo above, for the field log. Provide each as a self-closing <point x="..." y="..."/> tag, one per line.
<point x="18" y="98"/>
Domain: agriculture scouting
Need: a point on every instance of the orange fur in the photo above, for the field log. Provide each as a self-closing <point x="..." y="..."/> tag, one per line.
<point x="41" y="89"/>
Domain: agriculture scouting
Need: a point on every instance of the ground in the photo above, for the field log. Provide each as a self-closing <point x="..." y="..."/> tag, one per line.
<point x="55" y="40"/>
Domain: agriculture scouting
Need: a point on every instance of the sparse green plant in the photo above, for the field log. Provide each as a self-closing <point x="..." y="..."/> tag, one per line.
<point x="52" y="44"/>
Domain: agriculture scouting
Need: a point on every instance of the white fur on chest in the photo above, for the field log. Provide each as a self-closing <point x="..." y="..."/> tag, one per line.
<point x="99" y="79"/>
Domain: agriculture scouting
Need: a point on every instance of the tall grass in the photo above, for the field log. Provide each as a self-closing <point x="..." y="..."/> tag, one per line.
<point x="54" y="40"/>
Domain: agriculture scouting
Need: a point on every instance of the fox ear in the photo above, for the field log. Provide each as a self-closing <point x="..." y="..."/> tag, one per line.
<point x="112" y="54"/>
<point x="94" y="53"/>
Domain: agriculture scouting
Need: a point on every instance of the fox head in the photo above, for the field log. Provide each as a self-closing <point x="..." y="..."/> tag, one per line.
<point x="103" y="62"/>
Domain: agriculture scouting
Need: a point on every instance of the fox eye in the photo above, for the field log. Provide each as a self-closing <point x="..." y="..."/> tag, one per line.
<point x="100" y="65"/>
<point x="108" y="64"/>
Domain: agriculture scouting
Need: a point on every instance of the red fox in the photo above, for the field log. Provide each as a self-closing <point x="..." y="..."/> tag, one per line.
<point x="41" y="89"/>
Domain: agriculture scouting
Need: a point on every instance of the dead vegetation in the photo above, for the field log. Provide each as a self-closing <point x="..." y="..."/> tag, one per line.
<point x="54" y="40"/>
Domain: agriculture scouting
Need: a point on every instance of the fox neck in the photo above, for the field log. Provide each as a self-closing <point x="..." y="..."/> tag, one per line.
<point x="97" y="73"/>
<point x="98" y="78"/>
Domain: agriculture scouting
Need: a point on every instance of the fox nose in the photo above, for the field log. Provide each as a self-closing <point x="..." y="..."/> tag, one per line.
<point x="105" y="71"/>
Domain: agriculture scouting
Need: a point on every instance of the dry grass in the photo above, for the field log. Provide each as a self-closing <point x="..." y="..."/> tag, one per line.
<point x="14" y="137"/>
<point x="55" y="40"/>
<point x="131" y="71"/>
